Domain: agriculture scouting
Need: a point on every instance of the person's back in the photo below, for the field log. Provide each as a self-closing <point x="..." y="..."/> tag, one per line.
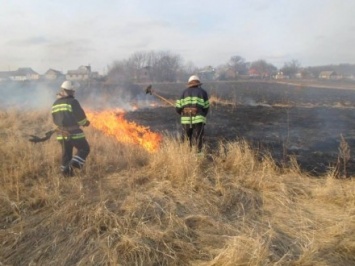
<point x="193" y="106"/>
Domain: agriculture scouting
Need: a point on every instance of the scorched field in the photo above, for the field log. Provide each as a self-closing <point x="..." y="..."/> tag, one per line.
<point x="309" y="124"/>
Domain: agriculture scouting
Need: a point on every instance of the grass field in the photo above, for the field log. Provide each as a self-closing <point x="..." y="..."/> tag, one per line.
<point x="169" y="207"/>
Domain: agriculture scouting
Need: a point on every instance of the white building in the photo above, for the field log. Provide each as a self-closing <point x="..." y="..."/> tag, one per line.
<point x="82" y="73"/>
<point x="23" y="74"/>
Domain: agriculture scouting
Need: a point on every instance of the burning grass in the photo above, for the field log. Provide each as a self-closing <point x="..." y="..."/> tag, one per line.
<point x="113" y="124"/>
<point x="168" y="207"/>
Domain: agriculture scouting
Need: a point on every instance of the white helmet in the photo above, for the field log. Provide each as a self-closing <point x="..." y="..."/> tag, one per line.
<point x="68" y="85"/>
<point x="194" y="81"/>
<point x="194" y="78"/>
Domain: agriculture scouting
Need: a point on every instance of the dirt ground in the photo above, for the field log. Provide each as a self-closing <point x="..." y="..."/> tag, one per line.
<point x="313" y="125"/>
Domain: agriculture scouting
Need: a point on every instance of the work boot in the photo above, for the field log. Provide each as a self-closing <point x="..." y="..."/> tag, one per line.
<point x="67" y="171"/>
<point x="75" y="164"/>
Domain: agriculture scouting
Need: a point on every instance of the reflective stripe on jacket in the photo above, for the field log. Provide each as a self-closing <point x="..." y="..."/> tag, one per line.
<point x="62" y="136"/>
<point x="68" y="116"/>
<point x="194" y="97"/>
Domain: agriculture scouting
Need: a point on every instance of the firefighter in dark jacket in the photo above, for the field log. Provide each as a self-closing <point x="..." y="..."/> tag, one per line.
<point x="68" y="116"/>
<point x="193" y="107"/>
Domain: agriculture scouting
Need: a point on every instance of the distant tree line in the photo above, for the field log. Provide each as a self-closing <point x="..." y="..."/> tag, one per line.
<point x="165" y="66"/>
<point x="155" y="66"/>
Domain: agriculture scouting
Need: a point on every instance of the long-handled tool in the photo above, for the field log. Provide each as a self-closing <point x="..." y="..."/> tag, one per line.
<point x="48" y="135"/>
<point x="149" y="90"/>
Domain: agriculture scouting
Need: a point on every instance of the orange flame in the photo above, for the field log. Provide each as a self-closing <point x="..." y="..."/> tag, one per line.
<point x="113" y="124"/>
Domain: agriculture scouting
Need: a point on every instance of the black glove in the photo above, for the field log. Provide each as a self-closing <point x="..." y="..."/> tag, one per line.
<point x="87" y="123"/>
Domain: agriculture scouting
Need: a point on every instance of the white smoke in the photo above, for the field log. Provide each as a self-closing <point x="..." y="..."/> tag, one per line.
<point x="253" y="103"/>
<point x="124" y="97"/>
<point x="26" y="95"/>
<point x="41" y="95"/>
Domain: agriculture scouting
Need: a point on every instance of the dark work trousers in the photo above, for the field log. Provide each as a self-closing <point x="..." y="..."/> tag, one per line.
<point x="77" y="161"/>
<point x="194" y="134"/>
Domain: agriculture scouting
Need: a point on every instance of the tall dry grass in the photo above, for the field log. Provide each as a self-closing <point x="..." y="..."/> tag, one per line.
<point x="172" y="207"/>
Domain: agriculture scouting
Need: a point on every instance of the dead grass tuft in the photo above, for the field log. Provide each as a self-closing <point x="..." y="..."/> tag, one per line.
<point x="215" y="101"/>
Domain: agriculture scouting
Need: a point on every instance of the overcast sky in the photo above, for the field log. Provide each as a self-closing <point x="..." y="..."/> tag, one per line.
<point x="65" y="34"/>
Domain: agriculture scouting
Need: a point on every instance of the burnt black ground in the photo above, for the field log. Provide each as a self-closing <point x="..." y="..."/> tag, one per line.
<point x="307" y="128"/>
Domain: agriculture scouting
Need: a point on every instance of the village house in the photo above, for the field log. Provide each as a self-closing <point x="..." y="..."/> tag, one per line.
<point x="24" y="74"/>
<point x="281" y="75"/>
<point x="225" y="73"/>
<point x="253" y="73"/>
<point x="208" y="73"/>
<point x="230" y="73"/>
<point x="328" y="75"/>
<point x="52" y="74"/>
<point x="81" y="74"/>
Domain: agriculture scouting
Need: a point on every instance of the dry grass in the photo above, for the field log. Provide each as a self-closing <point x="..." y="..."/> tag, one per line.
<point x="215" y="100"/>
<point x="130" y="207"/>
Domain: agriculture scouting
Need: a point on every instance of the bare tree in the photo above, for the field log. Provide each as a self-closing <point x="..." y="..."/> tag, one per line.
<point x="119" y="72"/>
<point x="238" y="64"/>
<point x="157" y="66"/>
<point x="186" y="70"/>
<point x="138" y="65"/>
<point x="263" y="68"/>
<point x="291" y="68"/>
<point x="165" y="66"/>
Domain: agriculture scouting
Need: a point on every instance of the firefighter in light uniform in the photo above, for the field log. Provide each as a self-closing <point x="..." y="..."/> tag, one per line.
<point x="193" y="107"/>
<point x="68" y="116"/>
